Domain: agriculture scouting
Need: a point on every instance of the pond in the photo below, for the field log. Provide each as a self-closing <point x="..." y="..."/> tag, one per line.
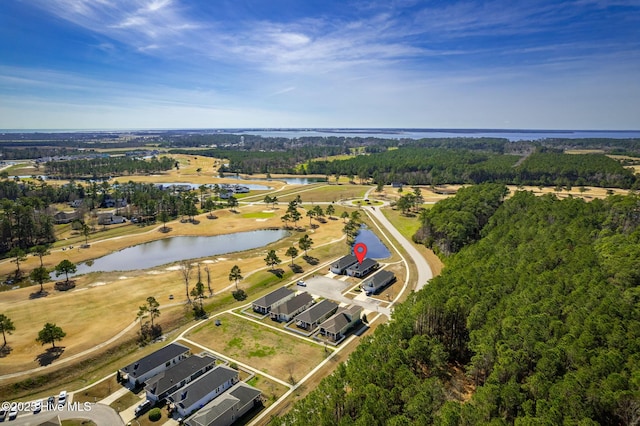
<point x="375" y="248"/>
<point x="288" y="180"/>
<point x="173" y="249"/>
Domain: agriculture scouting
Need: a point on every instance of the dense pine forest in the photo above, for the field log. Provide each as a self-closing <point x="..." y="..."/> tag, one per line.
<point x="536" y="322"/>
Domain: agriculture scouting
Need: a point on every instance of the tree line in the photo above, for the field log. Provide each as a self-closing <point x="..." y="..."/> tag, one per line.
<point x="539" y="320"/>
<point x="435" y="166"/>
<point x="107" y="166"/>
<point x="26" y="219"/>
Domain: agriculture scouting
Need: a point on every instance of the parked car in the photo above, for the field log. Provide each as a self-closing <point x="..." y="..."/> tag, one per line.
<point x="62" y="398"/>
<point x="143" y="408"/>
<point x="13" y="413"/>
<point x="301" y="283"/>
<point x="37" y="406"/>
<point x="3" y="415"/>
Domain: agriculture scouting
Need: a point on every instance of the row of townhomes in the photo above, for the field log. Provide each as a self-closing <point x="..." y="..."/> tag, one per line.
<point x="349" y="265"/>
<point x="192" y="384"/>
<point x="327" y="317"/>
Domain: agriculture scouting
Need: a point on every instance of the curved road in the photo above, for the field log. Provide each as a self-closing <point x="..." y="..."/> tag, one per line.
<point x="424" y="270"/>
<point x="100" y="414"/>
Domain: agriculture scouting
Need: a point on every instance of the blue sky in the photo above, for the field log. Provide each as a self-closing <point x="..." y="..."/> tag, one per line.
<point x="102" y="64"/>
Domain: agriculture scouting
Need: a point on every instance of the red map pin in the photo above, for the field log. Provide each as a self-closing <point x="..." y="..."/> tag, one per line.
<point x="360" y="251"/>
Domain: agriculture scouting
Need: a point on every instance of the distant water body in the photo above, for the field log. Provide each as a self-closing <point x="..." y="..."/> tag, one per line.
<point x="510" y="134"/>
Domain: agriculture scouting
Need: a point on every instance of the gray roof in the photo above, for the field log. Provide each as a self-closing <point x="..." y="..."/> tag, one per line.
<point x="162" y="382"/>
<point x="240" y="394"/>
<point x="244" y="392"/>
<point x="151" y="361"/>
<point x="365" y="265"/>
<point x="273" y="297"/>
<point x="317" y="311"/>
<point x="344" y="262"/>
<point x="292" y="305"/>
<point x="340" y="319"/>
<point x="203" y="385"/>
<point x="381" y="277"/>
<point x="214" y="409"/>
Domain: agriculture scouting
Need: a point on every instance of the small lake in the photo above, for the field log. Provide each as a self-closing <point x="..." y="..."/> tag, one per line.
<point x="288" y="180"/>
<point x="173" y="249"/>
<point x="375" y="248"/>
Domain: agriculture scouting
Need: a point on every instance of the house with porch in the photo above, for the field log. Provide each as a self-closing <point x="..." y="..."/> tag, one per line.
<point x="265" y="304"/>
<point x="377" y="282"/>
<point x="167" y="382"/>
<point x="340" y="266"/>
<point x="341" y="322"/>
<point x="229" y="407"/>
<point x="359" y="270"/>
<point x="145" y="368"/>
<point x="292" y="307"/>
<point x="309" y="319"/>
<point x="65" y="217"/>
<point x="205" y="388"/>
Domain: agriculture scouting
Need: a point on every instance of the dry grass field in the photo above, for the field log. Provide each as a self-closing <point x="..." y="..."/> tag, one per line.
<point x="104" y="304"/>
<point x="273" y="352"/>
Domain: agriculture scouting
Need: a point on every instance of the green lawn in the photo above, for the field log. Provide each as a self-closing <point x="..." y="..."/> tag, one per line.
<point x="405" y="224"/>
<point x="258" y="215"/>
<point x="277" y="353"/>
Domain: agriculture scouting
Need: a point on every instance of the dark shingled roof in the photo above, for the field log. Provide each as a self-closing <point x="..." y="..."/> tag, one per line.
<point x="162" y="382"/>
<point x="294" y="304"/>
<point x="240" y="394"/>
<point x="340" y="319"/>
<point x="382" y="277"/>
<point x="273" y="297"/>
<point x="366" y="264"/>
<point x="317" y="311"/>
<point x="194" y="391"/>
<point x="342" y="263"/>
<point x="151" y="361"/>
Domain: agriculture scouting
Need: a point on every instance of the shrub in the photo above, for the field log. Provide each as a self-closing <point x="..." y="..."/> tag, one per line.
<point x="155" y="414"/>
<point x="239" y="295"/>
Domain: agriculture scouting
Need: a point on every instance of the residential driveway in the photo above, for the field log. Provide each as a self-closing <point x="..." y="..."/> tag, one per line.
<point x="332" y="288"/>
<point x="98" y="413"/>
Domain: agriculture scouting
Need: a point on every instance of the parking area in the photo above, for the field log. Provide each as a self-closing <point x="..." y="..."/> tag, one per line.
<point x="333" y="288"/>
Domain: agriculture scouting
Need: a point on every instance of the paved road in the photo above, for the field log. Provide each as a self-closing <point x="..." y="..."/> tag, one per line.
<point x="98" y="413"/>
<point x="424" y="270"/>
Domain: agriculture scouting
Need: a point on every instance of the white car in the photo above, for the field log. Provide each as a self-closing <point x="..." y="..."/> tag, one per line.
<point x="62" y="399"/>
<point x="37" y="406"/>
<point x="301" y="283"/>
<point x="13" y="412"/>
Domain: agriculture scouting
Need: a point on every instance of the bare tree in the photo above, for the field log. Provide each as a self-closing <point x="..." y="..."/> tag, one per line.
<point x="185" y="269"/>
<point x="206" y="269"/>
